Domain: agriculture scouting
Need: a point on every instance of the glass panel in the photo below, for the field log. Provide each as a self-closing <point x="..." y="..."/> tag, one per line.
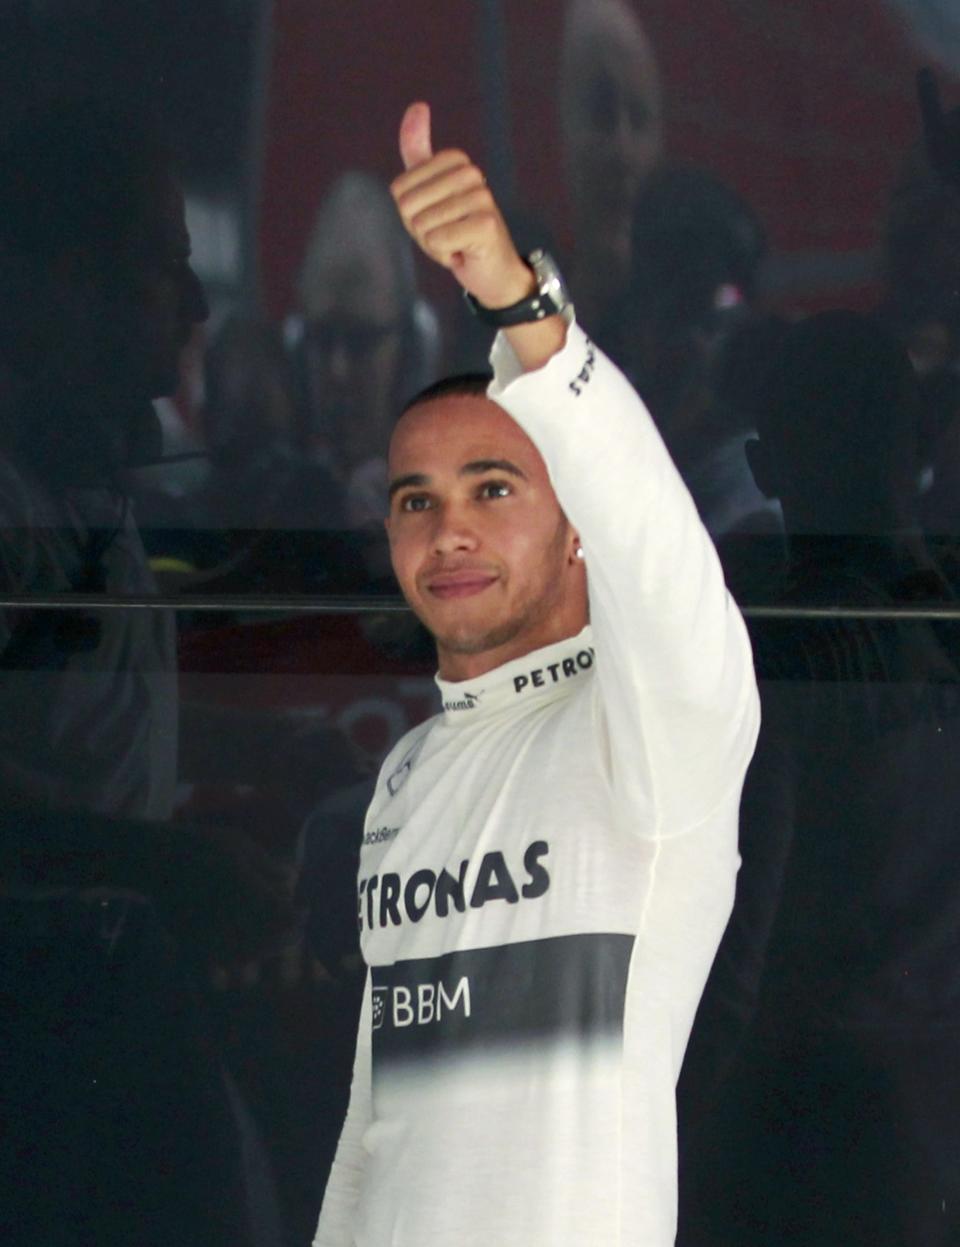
<point x="158" y="820"/>
<point x="816" y="1086"/>
<point x="182" y="809"/>
<point x="757" y="207"/>
<point x="707" y="179"/>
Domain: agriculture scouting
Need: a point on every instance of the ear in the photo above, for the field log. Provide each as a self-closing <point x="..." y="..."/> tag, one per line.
<point x="762" y="467"/>
<point x="576" y="551"/>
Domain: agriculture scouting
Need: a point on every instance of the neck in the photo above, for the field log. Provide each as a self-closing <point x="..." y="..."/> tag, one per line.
<point x="550" y="672"/>
<point x="456" y="667"/>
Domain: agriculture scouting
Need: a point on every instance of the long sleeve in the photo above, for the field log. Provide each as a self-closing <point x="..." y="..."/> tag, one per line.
<point x="336" y="1225"/>
<point x="674" y="665"/>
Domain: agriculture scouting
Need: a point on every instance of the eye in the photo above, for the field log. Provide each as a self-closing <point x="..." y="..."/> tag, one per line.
<point x="495" y="489"/>
<point x="414" y="502"/>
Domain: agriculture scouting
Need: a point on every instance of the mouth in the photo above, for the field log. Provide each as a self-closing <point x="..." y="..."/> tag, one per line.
<point x="461" y="584"/>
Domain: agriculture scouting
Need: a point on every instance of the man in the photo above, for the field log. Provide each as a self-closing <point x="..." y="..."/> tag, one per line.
<point x="108" y="1050"/>
<point x="548" y="865"/>
<point x="97" y="300"/>
<point x="849" y="1074"/>
<point x="611" y="130"/>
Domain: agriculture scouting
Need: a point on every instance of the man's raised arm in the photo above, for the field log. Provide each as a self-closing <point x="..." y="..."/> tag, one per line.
<point x="675" y="669"/>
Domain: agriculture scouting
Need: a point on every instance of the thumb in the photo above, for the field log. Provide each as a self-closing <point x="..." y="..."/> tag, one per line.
<point x="415" y="145"/>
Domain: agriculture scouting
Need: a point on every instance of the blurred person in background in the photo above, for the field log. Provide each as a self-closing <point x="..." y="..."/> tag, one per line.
<point x="258" y="473"/>
<point x="108" y="909"/>
<point x="686" y="333"/>
<point x="921" y="305"/>
<point x="262" y="514"/>
<point x="840" y="391"/>
<point x="364" y="340"/>
<point x="921" y="253"/>
<point x="839" y="1121"/>
<point x="97" y="301"/>
<point x="612" y="137"/>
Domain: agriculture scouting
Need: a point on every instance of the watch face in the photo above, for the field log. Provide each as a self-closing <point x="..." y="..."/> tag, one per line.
<point x="550" y="280"/>
<point x="555" y="291"/>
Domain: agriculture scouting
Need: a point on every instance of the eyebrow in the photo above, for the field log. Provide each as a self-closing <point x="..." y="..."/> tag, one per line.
<point x="413" y="480"/>
<point x="476" y="467"/>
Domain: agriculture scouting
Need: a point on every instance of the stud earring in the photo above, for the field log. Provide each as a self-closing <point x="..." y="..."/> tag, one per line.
<point x="579" y="552"/>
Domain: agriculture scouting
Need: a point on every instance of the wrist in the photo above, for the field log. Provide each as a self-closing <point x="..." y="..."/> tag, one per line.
<point x="539" y="289"/>
<point x="519" y="284"/>
<point x="535" y="343"/>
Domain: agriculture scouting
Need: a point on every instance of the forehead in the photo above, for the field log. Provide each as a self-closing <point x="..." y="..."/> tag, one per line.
<point x="443" y="434"/>
<point x="354" y="287"/>
<point x="351" y="271"/>
<point x="609" y="42"/>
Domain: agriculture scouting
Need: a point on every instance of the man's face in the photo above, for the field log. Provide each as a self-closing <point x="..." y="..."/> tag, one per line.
<point x="353" y="346"/>
<point x="612" y="125"/>
<point x="479" y="544"/>
<point x="152" y="297"/>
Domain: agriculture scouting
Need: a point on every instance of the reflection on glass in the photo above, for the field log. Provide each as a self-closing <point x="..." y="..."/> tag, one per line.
<point x="833" y="992"/>
<point x="818" y="1098"/>
<point x="368" y="342"/>
<point x="611" y="130"/>
<point x="720" y="175"/>
<point x="98" y="300"/>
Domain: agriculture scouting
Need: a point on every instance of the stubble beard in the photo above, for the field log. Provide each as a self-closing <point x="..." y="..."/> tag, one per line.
<point x="527" y="616"/>
<point x="473" y="642"/>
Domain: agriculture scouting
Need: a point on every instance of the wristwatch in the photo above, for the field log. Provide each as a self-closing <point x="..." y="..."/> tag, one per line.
<point x="551" y="297"/>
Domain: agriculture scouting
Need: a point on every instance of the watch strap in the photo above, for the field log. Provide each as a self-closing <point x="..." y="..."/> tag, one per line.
<point x="533" y="307"/>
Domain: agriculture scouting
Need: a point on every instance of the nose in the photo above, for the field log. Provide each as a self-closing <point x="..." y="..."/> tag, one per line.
<point x="453" y="531"/>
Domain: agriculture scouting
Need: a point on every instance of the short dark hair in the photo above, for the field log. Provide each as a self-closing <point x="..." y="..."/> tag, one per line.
<point x="77" y="175"/>
<point x="461" y="385"/>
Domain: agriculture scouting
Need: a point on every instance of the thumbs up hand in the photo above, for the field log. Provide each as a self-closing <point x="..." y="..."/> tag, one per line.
<point x="449" y="211"/>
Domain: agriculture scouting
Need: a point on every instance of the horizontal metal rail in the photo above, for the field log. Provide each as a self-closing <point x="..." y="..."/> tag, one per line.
<point x="275" y="604"/>
<point x="377" y="604"/>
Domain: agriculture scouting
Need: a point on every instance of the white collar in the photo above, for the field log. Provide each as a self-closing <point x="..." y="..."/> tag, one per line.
<point x="542" y="675"/>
